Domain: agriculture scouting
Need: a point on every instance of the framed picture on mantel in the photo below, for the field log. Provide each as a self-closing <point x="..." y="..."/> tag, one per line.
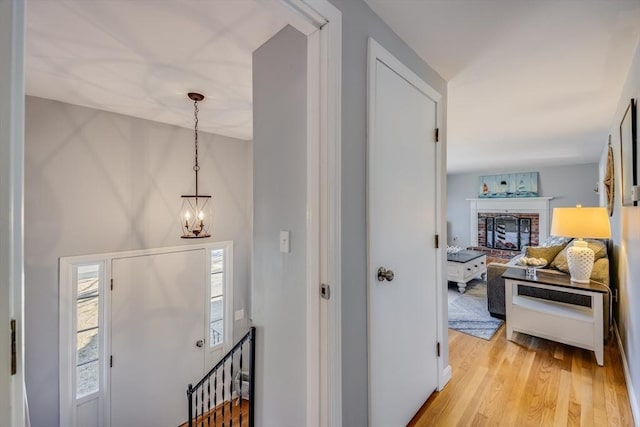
<point x="508" y="185"/>
<point x="629" y="154"/>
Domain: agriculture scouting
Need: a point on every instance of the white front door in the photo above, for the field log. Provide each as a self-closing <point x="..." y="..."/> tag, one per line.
<point x="157" y="311"/>
<point x="402" y="221"/>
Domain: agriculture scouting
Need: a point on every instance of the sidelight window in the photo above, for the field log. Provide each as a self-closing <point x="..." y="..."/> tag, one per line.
<point x="87" y="278"/>
<point x="216" y="303"/>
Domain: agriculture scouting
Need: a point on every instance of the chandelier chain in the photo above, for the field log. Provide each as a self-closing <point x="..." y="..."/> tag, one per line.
<point x="196" y="166"/>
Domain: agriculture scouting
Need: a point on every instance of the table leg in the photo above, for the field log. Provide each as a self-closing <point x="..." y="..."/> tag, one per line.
<point x="508" y="293"/>
<point x="598" y="328"/>
<point x="462" y="286"/>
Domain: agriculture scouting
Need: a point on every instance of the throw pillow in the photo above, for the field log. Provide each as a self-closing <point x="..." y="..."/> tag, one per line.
<point x="548" y="253"/>
<point x="555" y="241"/>
<point x="560" y="261"/>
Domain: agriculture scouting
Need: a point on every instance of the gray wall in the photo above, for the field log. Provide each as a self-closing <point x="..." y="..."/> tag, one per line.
<point x="625" y="229"/>
<point x="279" y="188"/>
<point x="358" y="23"/>
<point x="568" y="185"/>
<point x="101" y="182"/>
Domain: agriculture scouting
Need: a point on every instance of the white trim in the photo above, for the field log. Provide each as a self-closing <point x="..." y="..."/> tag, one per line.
<point x="67" y="321"/>
<point x="305" y="16"/>
<point x="67" y="341"/>
<point x="228" y="340"/>
<point x="12" y="390"/>
<point x="442" y="308"/>
<point x="331" y="208"/>
<point x="379" y="53"/>
<point x="633" y="398"/>
<point x="313" y="231"/>
<point x="296" y="13"/>
<point x="324" y="382"/>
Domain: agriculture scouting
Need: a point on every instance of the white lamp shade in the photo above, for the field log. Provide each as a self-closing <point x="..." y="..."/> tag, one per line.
<point x="581" y="222"/>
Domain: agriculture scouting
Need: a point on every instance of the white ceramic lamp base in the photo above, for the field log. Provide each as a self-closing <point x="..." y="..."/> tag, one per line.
<point x="580" y="259"/>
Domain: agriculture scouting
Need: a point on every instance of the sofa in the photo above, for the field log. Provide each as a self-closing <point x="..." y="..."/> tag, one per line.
<point x="554" y="252"/>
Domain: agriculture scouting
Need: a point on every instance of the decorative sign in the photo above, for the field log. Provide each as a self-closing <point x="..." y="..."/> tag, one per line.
<point x="509" y="185"/>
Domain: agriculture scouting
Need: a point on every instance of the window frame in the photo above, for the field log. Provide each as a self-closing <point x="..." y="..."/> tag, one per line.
<point x="227" y="295"/>
<point x="100" y="324"/>
<point x="68" y="322"/>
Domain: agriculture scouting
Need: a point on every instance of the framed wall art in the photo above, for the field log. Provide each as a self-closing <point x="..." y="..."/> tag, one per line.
<point x="609" y="181"/>
<point x="508" y="185"/>
<point x="629" y="154"/>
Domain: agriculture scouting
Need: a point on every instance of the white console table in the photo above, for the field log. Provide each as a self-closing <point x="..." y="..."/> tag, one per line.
<point x="576" y="325"/>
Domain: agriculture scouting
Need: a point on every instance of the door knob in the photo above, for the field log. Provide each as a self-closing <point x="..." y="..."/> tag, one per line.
<point x="384" y="274"/>
<point x="200" y="343"/>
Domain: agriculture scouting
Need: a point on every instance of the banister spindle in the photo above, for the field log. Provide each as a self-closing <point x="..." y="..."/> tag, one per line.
<point x="196" y="414"/>
<point x="208" y="401"/>
<point x="215" y="399"/>
<point x="223" y="372"/>
<point x="190" y="404"/>
<point x="231" y="391"/>
<point x="239" y="401"/>
<point x="202" y="405"/>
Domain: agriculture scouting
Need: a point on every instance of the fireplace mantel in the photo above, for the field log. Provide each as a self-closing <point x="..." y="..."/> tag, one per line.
<point x="535" y="205"/>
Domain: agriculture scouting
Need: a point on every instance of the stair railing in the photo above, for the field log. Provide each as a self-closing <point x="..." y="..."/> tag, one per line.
<point x="203" y="411"/>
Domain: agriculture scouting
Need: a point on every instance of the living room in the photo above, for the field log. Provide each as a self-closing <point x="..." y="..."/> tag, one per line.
<point x="566" y="179"/>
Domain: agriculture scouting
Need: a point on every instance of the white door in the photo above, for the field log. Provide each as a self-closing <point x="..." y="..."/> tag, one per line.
<point x="157" y="317"/>
<point x="402" y="226"/>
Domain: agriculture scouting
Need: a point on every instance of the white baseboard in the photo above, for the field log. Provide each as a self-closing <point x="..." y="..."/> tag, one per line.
<point x="445" y="377"/>
<point x="633" y="400"/>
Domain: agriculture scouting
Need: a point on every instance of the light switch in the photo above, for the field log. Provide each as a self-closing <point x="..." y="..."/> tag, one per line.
<point x="239" y="314"/>
<point x="285" y="246"/>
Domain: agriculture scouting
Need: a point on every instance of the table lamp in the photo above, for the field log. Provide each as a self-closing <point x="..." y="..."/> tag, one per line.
<point x="580" y="222"/>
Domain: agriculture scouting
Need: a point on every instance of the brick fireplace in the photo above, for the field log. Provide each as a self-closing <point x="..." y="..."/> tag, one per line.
<point x="511" y="231"/>
<point x="501" y="227"/>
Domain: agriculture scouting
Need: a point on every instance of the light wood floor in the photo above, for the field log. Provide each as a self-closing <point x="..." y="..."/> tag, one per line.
<point x="530" y="382"/>
<point x="215" y="418"/>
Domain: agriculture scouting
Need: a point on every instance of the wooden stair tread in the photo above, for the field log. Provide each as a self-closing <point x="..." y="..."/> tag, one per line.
<point x="231" y="415"/>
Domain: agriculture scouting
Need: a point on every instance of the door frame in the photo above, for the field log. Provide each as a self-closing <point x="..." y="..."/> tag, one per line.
<point x="12" y="24"/>
<point x="377" y="52"/>
<point x="68" y="402"/>
<point x="321" y="22"/>
<point x="324" y="372"/>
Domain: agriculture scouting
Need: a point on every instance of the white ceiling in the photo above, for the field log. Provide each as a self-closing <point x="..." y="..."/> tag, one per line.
<point x="140" y="58"/>
<point x="531" y="83"/>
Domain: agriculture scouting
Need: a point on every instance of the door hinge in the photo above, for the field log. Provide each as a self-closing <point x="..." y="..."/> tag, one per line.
<point x="437" y="241"/>
<point x="437" y="134"/>
<point x="438" y="349"/>
<point x="14" y="358"/>
<point x="325" y="291"/>
<point x="111" y="361"/>
<point x="111" y="284"/>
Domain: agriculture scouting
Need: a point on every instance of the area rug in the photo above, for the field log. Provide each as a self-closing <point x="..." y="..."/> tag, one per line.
<point x="468" y="312"/>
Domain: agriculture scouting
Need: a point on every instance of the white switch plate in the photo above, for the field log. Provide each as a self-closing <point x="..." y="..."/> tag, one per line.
<point x="239" y="315"/>
<point x="285" y="246"/>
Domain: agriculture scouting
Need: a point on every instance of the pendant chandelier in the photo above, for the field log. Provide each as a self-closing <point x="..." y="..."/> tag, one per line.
<point x="196" y="215"/>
